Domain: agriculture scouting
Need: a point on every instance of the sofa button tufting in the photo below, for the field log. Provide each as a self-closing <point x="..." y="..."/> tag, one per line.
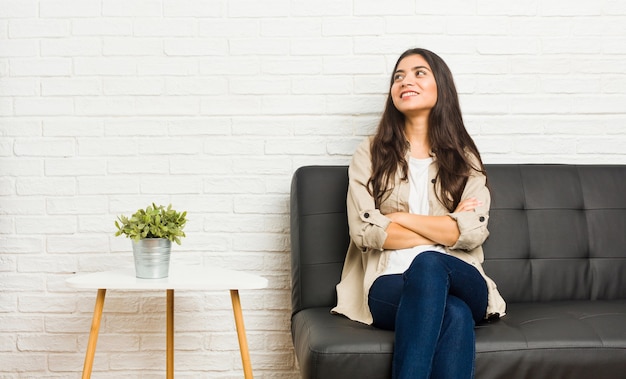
<point x="481" y="219"/>
<point x="366" y="215"/>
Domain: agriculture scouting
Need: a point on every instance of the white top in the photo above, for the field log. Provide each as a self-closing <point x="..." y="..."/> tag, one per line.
<point x="400" y="260"/>
<point x="180" y="277"/>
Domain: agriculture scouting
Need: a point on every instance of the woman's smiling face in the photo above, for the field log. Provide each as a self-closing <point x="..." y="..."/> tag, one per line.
<point x="414" y="89"/>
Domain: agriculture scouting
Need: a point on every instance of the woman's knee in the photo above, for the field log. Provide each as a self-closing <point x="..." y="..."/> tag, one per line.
<point x="427" y="271"/>
<point x="426" y="263"/>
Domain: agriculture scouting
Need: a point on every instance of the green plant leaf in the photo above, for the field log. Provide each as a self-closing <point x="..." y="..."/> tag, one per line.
<point x="153" y="222"/>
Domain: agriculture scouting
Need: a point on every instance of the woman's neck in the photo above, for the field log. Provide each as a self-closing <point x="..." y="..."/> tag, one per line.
<point x="416" y="132"/>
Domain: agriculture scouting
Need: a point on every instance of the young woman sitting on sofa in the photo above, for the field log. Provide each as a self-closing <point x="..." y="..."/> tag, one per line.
<point x="418" y="207"/>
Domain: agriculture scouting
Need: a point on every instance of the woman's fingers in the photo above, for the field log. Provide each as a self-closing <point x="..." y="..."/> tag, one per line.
<point x="468" y="204"/>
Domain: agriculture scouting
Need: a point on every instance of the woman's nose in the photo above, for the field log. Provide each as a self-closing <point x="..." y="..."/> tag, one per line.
<point x="406" y="81"/>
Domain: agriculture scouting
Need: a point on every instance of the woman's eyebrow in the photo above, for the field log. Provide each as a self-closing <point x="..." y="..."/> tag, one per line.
<point x="414" y="69"/>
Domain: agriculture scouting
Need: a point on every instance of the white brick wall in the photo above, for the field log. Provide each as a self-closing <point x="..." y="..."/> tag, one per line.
<point x="107" y="105"/>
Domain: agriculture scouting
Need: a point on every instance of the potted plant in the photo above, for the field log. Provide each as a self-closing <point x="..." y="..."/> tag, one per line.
<point x="152" y="231"/>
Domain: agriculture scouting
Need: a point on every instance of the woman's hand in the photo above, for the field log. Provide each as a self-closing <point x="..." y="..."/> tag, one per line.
<point x="468" y="204"/>
<point x="396" y="216"/>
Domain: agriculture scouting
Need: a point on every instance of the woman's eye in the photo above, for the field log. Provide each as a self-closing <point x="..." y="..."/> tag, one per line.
<point x="420" y="73"/>
<point x="398" y="77"/>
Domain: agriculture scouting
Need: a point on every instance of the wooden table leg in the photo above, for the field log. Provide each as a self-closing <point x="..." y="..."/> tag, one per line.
<point x="241" y="334"/>
<point x="93" y="334"/>
<point x="170" y="334"/>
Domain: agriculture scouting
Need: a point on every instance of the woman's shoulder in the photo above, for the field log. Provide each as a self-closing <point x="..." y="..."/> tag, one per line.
<point x="361" y="162"/>
<point x="366" y="143"/>
<point x="364" y="148"/>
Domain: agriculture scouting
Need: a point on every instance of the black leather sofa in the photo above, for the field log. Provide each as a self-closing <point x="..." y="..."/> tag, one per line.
<point x="557" y="250"/>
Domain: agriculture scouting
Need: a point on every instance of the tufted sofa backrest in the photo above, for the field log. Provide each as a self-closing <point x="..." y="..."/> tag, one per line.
<point x="557" y="232"/>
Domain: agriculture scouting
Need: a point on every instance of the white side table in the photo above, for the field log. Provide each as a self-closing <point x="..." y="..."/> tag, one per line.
<point x="181" y="277"/>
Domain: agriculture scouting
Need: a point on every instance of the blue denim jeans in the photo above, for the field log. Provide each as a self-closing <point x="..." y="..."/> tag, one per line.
<point x="433" y="308"/>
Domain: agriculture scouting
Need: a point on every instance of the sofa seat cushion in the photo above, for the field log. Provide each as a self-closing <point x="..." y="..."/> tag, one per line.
<point x="569" y="339"/>
<point x="334" y="347"/>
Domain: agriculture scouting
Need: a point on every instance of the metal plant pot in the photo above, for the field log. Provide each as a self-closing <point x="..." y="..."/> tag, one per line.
<point x="152" y="257"/>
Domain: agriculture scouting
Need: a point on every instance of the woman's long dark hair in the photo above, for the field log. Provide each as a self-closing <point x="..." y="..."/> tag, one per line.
<point x="447" y="135"/>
